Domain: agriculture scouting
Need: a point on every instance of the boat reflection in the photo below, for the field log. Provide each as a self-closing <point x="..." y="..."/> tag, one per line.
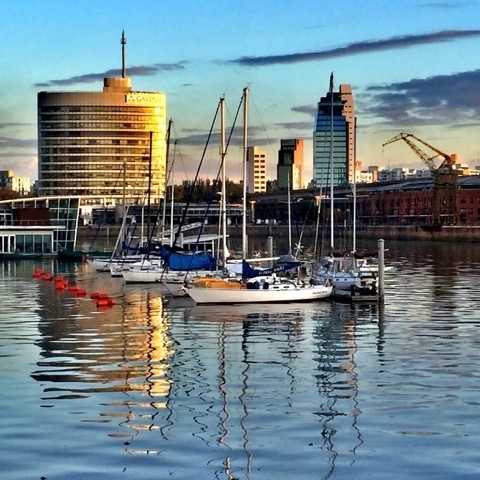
<point x="231" y="377"/>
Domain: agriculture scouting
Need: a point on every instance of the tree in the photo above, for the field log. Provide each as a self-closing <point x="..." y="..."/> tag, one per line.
<point x="6" y="193"/>
<point x="205" y="191"/>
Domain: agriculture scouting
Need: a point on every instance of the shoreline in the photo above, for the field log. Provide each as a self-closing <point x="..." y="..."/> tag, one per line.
<point x="403" y="233"/>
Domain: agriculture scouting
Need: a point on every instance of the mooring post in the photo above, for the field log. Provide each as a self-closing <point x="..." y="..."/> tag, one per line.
<point x="381" y="269"/>
<point x="270" y="249"/>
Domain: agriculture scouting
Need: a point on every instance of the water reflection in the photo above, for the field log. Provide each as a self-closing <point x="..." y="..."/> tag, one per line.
<point x="289" y="391"/>
<point x="123" y="350"/>
<point x="225" y="376"/>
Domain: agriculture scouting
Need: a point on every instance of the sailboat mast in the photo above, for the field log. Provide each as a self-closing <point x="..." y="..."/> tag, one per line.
<point x="224" y="189"/>
<point x="245" y="158"/>
<point x="354" y="246"/>
<point x="149" y="191"/>
<point x="167" y="177"/>
<point x="289" y="216"/>
<point x="332" y="210"/>
<point x="172" y="196"/>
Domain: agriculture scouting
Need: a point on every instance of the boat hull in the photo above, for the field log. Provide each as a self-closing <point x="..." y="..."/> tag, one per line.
<point x="20" y="256"/>
<point x="273" y="294"/>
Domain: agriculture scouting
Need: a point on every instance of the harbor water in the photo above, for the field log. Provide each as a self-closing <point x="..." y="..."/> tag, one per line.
<point x="157" y="388"/>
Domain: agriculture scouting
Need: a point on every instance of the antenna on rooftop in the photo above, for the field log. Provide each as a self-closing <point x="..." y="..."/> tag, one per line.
<point x="123" y="41"/>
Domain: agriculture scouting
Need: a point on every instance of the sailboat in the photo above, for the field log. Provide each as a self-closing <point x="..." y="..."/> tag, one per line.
<point x="128" y="248"/>
<point x="255" y="286"/>
<point x="176" y="264"/>
<point x="350" y="272"/>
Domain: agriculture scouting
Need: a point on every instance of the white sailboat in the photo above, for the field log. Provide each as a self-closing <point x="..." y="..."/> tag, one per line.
<point x="171" y="268"/>
<point x="256" y="286"/>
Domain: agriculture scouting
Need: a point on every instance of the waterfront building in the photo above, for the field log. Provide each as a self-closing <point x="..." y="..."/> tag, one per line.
<point x="110" y="143"/>
<point x="402" y="202"/>
<point x="39" y="224"/>
<point x="334" y="138"/>
<point x="290" y="164"/>
<point x="256" y="170"/>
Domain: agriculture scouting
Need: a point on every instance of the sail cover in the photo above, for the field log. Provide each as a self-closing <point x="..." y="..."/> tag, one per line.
<point x="187" y="260"/>
<point x="249" y="272"/>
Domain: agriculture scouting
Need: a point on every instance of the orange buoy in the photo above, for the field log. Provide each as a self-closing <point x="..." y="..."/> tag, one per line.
<point x="47" y="276"/>
<point x="94" y="295"/>
<point x="103" y="303"/>
<point x="60" y="285"/>
<point x="81" y="292"/>
<point x="72" y="288"/>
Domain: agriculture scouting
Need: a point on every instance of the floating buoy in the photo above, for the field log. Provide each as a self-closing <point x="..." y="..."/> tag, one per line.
<point x="105" y="302"/>
<point x="37" y="274"/>
<point x="47" y="276"/>
<point x="60" y="285"/>
<point x="72" y="288"/>
<point x="81" y="292"/>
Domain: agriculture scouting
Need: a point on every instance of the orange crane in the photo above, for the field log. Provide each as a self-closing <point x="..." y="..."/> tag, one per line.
<point x="444" y="201"/>
<point x="448" y="160"/>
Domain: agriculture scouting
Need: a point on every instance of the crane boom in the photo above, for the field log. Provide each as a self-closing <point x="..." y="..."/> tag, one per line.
<point x="448" y="160"/>
<point x="444" y="197"/>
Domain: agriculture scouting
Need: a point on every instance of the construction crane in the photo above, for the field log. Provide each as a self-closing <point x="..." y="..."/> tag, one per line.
<point x="444" y="201"/>
<point x="448" y="160"/>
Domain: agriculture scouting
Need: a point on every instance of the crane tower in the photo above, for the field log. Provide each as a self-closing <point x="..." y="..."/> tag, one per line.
<point x="444" y="201"/>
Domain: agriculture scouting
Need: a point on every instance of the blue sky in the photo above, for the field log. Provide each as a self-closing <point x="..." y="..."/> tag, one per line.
<point x="414" y="67"/>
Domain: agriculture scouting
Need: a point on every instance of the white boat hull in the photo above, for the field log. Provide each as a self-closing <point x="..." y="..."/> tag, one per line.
<point x="173" y="281"/>
<point x="281" y="293"/>
<point x="105" y="264"/>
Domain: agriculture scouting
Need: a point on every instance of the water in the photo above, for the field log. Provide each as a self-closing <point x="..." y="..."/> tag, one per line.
<point x="152" y="389"/>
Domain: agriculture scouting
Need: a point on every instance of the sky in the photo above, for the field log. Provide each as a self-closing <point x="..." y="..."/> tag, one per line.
<point x="414" y="67"/>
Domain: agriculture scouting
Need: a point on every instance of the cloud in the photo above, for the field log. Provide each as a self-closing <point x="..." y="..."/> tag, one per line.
<point x="9" y="143"/>
<point x="305" y="109"/>
<point x="438" y="100"/>
<point x="356" y="48"/>
<point x="138" y="71"/>
<point x="6" y="125"/>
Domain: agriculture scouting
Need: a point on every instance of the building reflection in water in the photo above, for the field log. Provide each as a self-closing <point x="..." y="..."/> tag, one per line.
<point x="85" y="352"/>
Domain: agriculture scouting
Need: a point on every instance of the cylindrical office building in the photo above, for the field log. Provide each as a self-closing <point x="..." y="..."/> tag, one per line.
<point x="109" y="144"/>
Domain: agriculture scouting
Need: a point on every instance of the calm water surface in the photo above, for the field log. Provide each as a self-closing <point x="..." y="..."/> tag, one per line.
<point x="154" y="388"/>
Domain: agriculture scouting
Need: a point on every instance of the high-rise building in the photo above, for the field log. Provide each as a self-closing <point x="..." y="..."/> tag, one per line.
<point x="109" y="144"/>
<point x="334" y="138"/>
<point x="256" y="170"/>
<point x="290" y="164"/>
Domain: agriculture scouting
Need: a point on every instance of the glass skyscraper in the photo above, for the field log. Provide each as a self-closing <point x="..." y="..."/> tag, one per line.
<point x="334" y="139"/>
